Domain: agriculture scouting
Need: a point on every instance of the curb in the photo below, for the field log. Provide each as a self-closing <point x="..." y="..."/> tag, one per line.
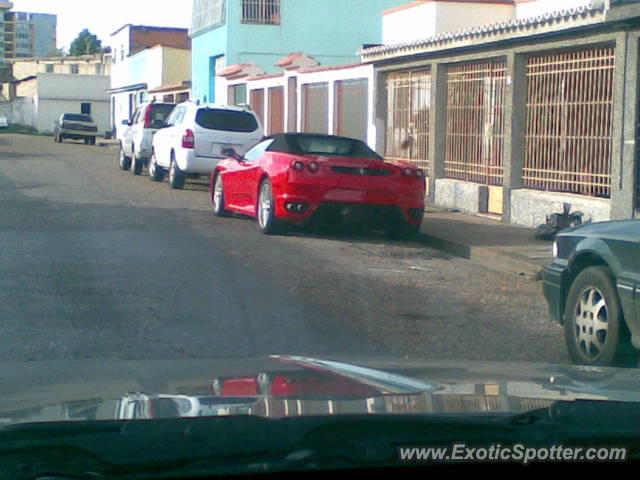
<point x="485" y="256"/>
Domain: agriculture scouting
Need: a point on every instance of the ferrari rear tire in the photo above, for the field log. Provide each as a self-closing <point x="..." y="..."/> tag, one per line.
<point x="595" y="330"/>
<point x="266" y="214"/>
<point x="217" y="198"/>
<point x="123" y="160"/>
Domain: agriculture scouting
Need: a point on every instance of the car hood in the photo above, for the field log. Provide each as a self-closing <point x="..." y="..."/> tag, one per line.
<point x="278" y="386"/>
<point x="619" y="229"/>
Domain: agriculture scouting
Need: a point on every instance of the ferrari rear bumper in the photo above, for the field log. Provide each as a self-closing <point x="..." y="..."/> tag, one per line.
<point x="308" y="203"/>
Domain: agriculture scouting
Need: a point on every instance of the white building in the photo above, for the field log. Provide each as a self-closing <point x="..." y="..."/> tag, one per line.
<point x="42" y="98"/>
<point x="148" y="62"/>
<point x="306" y="97"/>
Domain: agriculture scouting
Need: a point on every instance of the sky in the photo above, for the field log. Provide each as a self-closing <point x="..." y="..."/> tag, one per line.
<point x="103" y="17"/>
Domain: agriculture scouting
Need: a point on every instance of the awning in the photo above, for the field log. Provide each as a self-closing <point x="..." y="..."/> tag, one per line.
<point x="128" y="88"/>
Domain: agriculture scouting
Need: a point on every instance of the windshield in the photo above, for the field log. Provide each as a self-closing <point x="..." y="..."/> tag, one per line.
<point x="378" y="211"/>
<point x="77" y="118"/>
<point x="226" y="120"/>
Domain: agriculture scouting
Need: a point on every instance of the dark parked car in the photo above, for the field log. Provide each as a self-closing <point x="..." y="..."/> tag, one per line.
<point x="593" y="289"/>
<point x="75" y="126"/>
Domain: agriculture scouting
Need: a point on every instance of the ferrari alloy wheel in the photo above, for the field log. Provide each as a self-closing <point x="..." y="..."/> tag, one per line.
<point x="217" y="198"/>
<point x="176" y="176"/>
<point x="156" y="174"/>
<point x="124" y="161"/>
<point x="266" y="209"/>
<point x="595" y="331"/>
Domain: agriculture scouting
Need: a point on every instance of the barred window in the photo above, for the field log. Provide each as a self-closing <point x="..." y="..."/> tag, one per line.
<point x="262" y="12"/>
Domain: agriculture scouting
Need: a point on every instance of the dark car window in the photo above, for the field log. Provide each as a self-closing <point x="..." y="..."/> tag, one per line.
<point x="77" y="118"/>
<point x="226" y="120"/>
<point x="302" y="144"/>
<point x="159" y="114"/>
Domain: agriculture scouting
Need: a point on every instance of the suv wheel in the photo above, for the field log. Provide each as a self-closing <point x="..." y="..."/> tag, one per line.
<point x="595" y="331"/>
<point x="124" y="161"/>
<point x="176" y="176"/>
<point x="136" y="164"/>
<point x="156" y="174"/>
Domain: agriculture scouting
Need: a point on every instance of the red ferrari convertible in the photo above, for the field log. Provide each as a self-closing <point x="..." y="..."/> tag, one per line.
<point x="299" y="178"/>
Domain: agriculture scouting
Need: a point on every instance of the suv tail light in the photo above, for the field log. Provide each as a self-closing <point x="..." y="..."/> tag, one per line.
<point x="147" y="116"/>
<point x="188" y="139"/>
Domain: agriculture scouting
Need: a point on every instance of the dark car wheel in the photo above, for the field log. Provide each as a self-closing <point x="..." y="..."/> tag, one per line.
<point x="266" y="212"/>
<point x="136" y="164"/>
<point x="156" y="174"/>
<point x="595" y="332"/>
<point x="176" y="176"/>
<point x="217" y="198"/>
<point x="124" y="161"/>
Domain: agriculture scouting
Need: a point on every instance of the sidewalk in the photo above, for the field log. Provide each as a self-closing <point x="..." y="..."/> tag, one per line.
<point x="508" y="248"/>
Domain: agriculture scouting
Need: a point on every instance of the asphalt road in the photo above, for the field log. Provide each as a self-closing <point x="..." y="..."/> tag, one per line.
<point x="98" y="263"/>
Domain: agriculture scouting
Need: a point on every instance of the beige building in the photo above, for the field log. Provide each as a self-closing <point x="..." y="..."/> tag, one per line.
<point x="99" y="64"/>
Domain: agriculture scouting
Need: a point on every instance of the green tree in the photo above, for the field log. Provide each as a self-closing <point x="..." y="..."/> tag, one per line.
<point x="85" y="43"/>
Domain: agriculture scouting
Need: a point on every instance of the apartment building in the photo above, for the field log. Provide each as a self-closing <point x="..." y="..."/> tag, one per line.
<point x="24" y="34"/>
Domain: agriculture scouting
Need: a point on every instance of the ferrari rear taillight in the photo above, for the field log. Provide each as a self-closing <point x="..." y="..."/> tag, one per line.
<point x="410" y="172"/>
<point x="188" y="139"/>
<point x="313" y="167"/>
<point x="297" y="165"/>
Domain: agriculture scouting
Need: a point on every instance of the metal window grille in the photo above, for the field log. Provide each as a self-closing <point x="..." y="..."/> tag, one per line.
<point x="206" y="14"/>
<point x="408" y="117"/>
<point x="569" y="122"/>
<point x="475" y="122"/>
<point x="263" y="12"/>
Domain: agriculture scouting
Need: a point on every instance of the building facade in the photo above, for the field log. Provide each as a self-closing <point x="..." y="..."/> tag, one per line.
<point x="307" y="97"/>
<point x="230" y="32"/>
<point x="513" y="119"/>
<point x="99" y="64"/>
<point x="147" y="63"/>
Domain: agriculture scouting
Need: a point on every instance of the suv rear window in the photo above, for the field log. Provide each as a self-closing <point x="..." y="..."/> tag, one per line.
<point x="77" y="118"/>
<point x="226" y="120"/>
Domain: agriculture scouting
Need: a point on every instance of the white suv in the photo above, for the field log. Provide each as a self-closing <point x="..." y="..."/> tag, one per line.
<point x="192" y="142"/>
<point x="137" y="136"/>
